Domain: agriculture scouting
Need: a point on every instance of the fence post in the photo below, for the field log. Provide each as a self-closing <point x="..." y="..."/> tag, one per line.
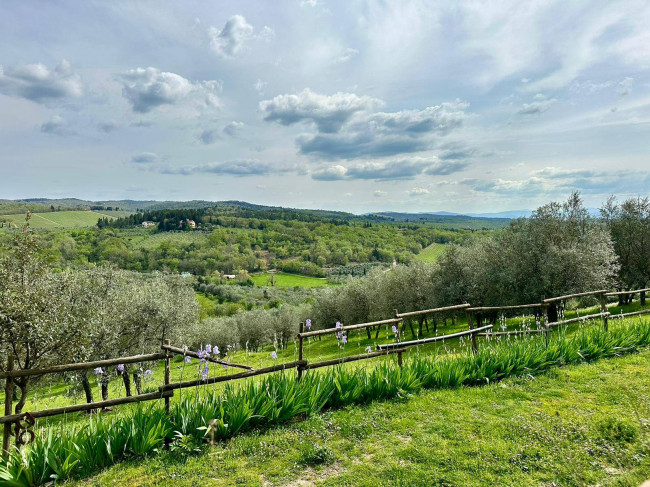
<point x="470" y="322"/>
<point x="399" y="359"/>
<point x="167" y="375"/>
<point x="9" y="395"/>
<point x="545" y="318"/>
<point x="603" y="309"/>
<point x="300" y="348"/>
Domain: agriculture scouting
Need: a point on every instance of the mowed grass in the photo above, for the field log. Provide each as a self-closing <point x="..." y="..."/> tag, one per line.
<point x="572" y="426"/>
<point x="289" y="280"/>
<point x="430" y="253"/>
<point x="59" y="219"/>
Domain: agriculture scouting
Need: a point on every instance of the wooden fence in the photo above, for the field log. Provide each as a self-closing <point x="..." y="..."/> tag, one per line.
<point x="20" y="425"/>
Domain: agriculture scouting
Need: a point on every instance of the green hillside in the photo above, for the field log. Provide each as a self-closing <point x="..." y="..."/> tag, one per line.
<point x="430" y="253"/>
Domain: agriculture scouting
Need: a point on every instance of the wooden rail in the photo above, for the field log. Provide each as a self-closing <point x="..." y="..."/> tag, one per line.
<point x="87" y="407"/>
<point x="625" y="293"/>
<point x="191" y="353"/>
<point x="56" y="369"/>
<point x="632" y="313"/>
<point x="238" y="375"/>
<point x="575" y="295"/>
<point x="511" y="333"/>
<point x="440" y="338"/>
<point x="432" y="311"/>
<point x="579" y="318"/>
<point x="500" y="308"/>
<point x="329" y="331"/>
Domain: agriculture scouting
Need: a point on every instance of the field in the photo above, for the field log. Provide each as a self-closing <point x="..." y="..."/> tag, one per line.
<point x="579" y="425"/>
<point x="289" y="280"/>
<point x="58" y="219"/>
<point x="430" y="253"/>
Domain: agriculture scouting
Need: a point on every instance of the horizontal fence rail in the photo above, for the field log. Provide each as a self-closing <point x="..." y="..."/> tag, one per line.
<point x="330" y="331"/>
<point x="190" y="353"/>
<point x="432" y="311"/>
<point x="627" y="293"/>
<point x="575" y="295"/>
<point x="57" y="369"/>
<point x="150" y="396"/>
<point x="579" y="319"/>
<point x="501" y="308"/>
<point x="423" y="341"/>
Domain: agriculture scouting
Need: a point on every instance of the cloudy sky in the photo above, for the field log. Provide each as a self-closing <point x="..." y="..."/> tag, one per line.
<point x="353" y="105"/>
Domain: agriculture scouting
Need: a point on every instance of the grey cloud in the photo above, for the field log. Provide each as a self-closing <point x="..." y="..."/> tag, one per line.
<point x="386" y="134"/>
<point x="233" y="128"/>
<point x="445" y="168"/>
<point x="328" y="112"/>
<point x="107" y="127"/>
<point x="38" y="83"/>
<point x="625" y="86"/>
<point x="210" y="136"/>
<point x="148" y="88"/>
<point x="57" y="126"/>
<point x="239" y="167"/>
<point x="379" y="193"/>
<point x="144" y="158"/>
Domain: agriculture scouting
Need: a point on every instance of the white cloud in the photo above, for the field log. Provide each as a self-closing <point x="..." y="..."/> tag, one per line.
<point x="233" y="128"/>
<point x="237" y="167"/>
<point x="231" y="40"/>
<point x="418" y="191"/>
<point x="149" y="88"/>
<point x="379" y="193"/>
<point x="536" y="107"/>
<point x="346" y="55"/>
<point x="38" y="83"/>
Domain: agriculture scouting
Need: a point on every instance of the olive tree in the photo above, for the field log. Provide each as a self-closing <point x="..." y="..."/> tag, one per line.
<point x="41" y="322"/>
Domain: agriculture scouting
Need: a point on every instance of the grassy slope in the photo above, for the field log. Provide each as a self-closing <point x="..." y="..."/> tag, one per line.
<point x="430" y="253"/>
<point x="289" y="280"/>
<point x="579" y="425"/>
<point x="60" y="219"/>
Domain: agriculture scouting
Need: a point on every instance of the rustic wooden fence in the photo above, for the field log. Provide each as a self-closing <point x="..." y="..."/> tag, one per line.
<point x="20" y="425"/>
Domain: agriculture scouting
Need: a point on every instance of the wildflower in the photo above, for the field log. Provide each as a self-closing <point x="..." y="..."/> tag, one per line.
<point x="225" y="366"/>
<point x="368" y="349"/>
<point x="308" y="324"/>
<point x="148" y="373"/>
<point x="338" y="325"/>
<point x="344" y="339"/>
<point x="120" y="367"/>
<point x="395" y="330"/>
<point x="188" y="359"/>
<point x="205" y="372"/>
<point x="185" y="348"/>
<point x="338" y="335"/>
<point x="199" y="353"/>
<point x="274" y="355"/>
<point x="98" y="371"/>
<point x="215" y="350"/>
<point x="208" y="348"/>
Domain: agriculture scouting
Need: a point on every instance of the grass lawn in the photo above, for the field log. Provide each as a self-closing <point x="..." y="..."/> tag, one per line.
<point x="289" y="280"/>
<point x="59" y="219"/>
<point x="573" y="426"/>
<point x="430" y="253"/>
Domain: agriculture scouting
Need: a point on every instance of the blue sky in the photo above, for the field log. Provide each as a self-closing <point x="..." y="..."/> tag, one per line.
<point x="352" y="105"/>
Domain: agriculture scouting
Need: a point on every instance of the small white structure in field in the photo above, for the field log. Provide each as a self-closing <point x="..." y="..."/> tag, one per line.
<point x="148" y="224"/>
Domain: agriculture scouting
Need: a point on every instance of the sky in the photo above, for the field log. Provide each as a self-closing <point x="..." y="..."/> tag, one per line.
<point x="349" y="105"/>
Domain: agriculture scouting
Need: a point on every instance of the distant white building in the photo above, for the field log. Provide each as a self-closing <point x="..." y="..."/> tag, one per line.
<point x="148" y="224"/>
<point x="229" y="276"/>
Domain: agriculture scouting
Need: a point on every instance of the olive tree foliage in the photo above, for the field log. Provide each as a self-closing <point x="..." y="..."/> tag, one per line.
<point x="41" y="318"/>
<point x="49" y="317"/>
<point x="559" y="250"/>
<point x="629" y="226"/>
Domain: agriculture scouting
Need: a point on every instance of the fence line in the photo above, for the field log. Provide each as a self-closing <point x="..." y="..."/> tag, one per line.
<point x="19" y="424"/>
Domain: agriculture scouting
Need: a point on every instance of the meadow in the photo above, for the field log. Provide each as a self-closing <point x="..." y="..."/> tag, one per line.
<point x="281" y="279"/>
<point x="59" y="219"/>
<point x="430" y="253"/>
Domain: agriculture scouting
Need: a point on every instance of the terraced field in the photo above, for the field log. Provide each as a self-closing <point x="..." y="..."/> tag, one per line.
<point x="430" y="253"/>
<point x="59" y="219"/>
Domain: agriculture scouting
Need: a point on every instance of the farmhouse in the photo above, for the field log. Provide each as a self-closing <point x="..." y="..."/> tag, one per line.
<point x="191" y="223"/>
<point x="148" y="224"/>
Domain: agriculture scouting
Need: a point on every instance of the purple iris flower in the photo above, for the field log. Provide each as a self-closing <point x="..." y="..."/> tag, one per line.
<point x="395" y="330"/>
<point x="98" y="371"/>
<point x="188" y="359"/>
<point x="205" y="372"/>
<point x="344" y="339"/>
<point x="274" y="355"/>
<point x="308" y="324"/>
<point x="338" y="325"/>
<point x="208" y="348"/>
<point x="120" y="367"/>
<point x="368" y="349"/>
<point x="148" y="373"/>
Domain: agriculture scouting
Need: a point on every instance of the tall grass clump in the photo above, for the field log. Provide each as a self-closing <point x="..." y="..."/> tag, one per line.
<point x="205" y="415"/>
